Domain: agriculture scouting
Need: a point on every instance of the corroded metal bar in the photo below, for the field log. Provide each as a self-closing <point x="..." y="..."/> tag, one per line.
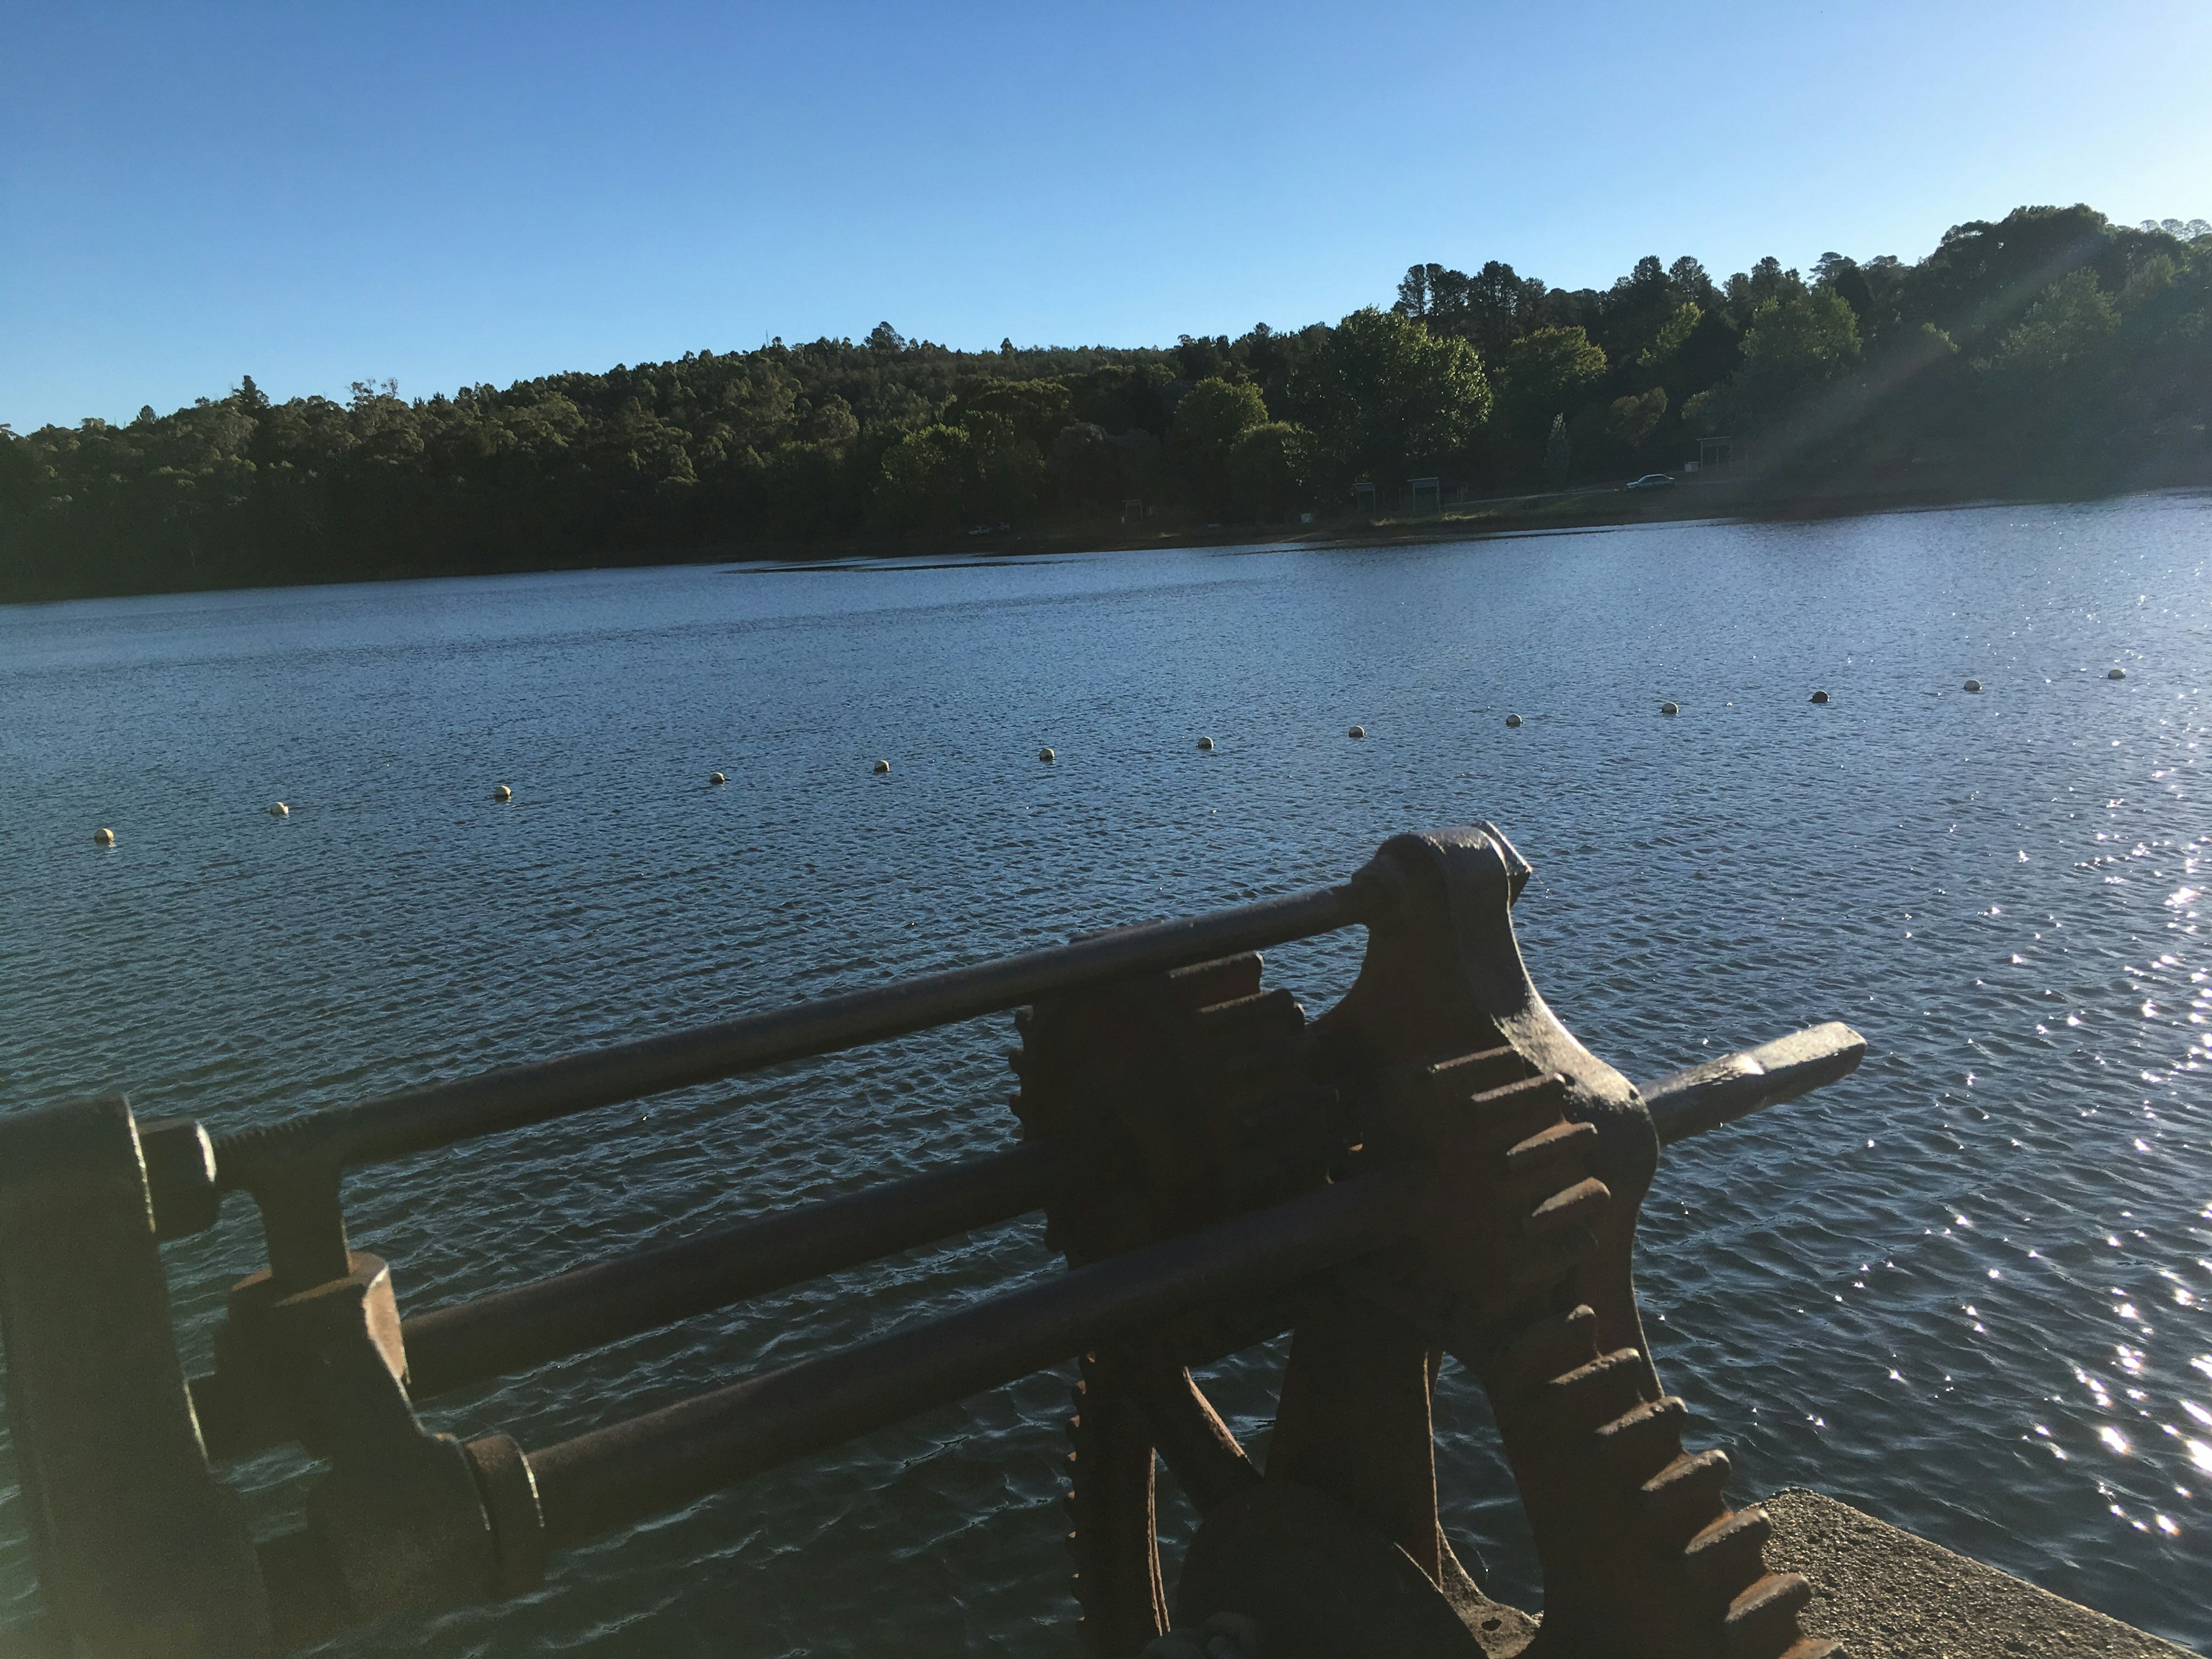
<point x="1705" y="1096"/>
<point x="512" y="1330"/>
<point x="569" y="1313"/>
<point x="438" y="1114"/>
<point x="613" y="1476"/>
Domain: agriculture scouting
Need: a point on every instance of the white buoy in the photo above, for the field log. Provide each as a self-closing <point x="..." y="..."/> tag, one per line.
<point x="1973" y="685"/>
<point x="1047" y="755"/>
<point x="1513" y="720"/>
<point x="718" y="778"/>
<point x="1818" y="696"/>
<point x="882" y="767"/>
<point x="1358" y="732"/>
<point x="280" y="810"/>
<point x="2115" y="674"/>
<point x="503" y="793"/>
<point x="103" y="837"/>
<point x="1670" y="707"/>
<point x="1205" y="743"/>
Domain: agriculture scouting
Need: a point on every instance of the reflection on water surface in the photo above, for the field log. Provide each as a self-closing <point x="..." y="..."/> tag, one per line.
<point x="1966" y="1289"/>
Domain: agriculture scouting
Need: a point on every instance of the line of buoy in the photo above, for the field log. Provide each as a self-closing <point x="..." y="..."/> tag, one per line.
<point x="105" y="836"/>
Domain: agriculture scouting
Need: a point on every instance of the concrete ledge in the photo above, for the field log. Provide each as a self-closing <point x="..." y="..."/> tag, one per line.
<point x="1885" y="1593"/>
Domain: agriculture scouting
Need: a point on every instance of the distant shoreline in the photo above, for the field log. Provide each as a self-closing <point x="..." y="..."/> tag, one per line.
<point x="1740" y="499"/>
<point x="1747" y="501"/>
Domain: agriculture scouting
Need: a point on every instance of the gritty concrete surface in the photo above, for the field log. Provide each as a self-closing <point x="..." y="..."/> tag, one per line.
<point x="1886" y="1595"/>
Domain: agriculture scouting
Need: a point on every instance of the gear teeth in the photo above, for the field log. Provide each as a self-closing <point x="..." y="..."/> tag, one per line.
<point x="1549" y="1147"/>
<point x="1686" y="1493"/>
<point x="1590" y="1394"/>
<point x="1473" y="1074"/>
<point x="1763" y="1620"/>
<point x="1265" y="1018"/>
<point x="1208" y="984"/>
<point x="1574" y="1207"/>
<point x="1553" y="1344"/>
<point x="1551" y="1257"/>
<point x="1716" y="1556"/>
<point x="1516" y="1111"/>
<point x="1643" y="1440"/>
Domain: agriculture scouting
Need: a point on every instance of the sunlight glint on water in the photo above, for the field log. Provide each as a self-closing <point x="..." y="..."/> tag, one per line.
<point x="1967" y="1290"/>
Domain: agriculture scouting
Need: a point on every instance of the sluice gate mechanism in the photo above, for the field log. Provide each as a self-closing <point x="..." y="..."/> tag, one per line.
<point x="1434" y="1169"/>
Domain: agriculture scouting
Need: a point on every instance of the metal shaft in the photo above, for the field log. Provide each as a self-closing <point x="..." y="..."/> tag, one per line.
<point x="512" y="1330"/>
<point x="1705" y="1096"/>
<point x="612" y="1476"/>
<point x="440" y="1114"/>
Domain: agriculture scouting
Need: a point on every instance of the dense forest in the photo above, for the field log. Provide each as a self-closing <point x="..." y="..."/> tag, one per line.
<point x="2051" y="351"/>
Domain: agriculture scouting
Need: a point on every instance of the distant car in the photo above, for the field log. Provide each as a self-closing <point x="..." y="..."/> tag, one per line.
<point x="1652" y="480"/>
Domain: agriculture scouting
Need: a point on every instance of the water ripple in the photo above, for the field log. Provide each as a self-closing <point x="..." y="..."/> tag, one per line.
<point x="1968" y="1290"/>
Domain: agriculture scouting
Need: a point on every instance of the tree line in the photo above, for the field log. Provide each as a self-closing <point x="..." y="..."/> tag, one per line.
<point x="2050" y="349"/>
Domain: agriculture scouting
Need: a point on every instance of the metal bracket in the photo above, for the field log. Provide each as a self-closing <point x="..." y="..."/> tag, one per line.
<point x="139" y="1550"/>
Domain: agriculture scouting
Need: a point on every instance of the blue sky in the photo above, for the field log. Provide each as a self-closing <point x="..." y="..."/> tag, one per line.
<point x="315" y="194"/>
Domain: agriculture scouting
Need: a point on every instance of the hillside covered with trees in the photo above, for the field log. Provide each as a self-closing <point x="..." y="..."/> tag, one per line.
<point x="2049" y="351"/>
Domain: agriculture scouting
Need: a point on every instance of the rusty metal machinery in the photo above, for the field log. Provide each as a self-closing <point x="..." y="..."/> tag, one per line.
<point x="1433" y="1171"/>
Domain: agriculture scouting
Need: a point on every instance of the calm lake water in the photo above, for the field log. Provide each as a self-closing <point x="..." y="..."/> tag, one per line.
<point x="1970" y="1289"/>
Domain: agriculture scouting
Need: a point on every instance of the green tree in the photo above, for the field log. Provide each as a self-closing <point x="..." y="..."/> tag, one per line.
<point x="1547" y="371"/>
<point x="1388" y="394"/>
<point x="1009" y="470"/>
<point x="926" y="477"/>
<point x="26" y="476"/>
<point x="1631" y="420"/>
<point x="1270" y="468"/>
<point x="831" y="423"/>
<point x="1085" y="467"/>
<point x="1672" y="336"/>
<point x="1559" y="452"/>
<point x="1212" y="416"/>
<point x="1843" y="275"/>
<point x="1811" y="334"/>
<point x="1766" y="281"/>
<point x="1037" y="410"/>
<point x="2064" y="328"/>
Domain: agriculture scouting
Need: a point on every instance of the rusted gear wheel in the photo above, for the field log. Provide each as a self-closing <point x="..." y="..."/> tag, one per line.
<point x="1197" y="1095"/>
<point x="1113" y="1526"/>
<point x="1189" y="1093"/>
<point x="1640" y="1552"/>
